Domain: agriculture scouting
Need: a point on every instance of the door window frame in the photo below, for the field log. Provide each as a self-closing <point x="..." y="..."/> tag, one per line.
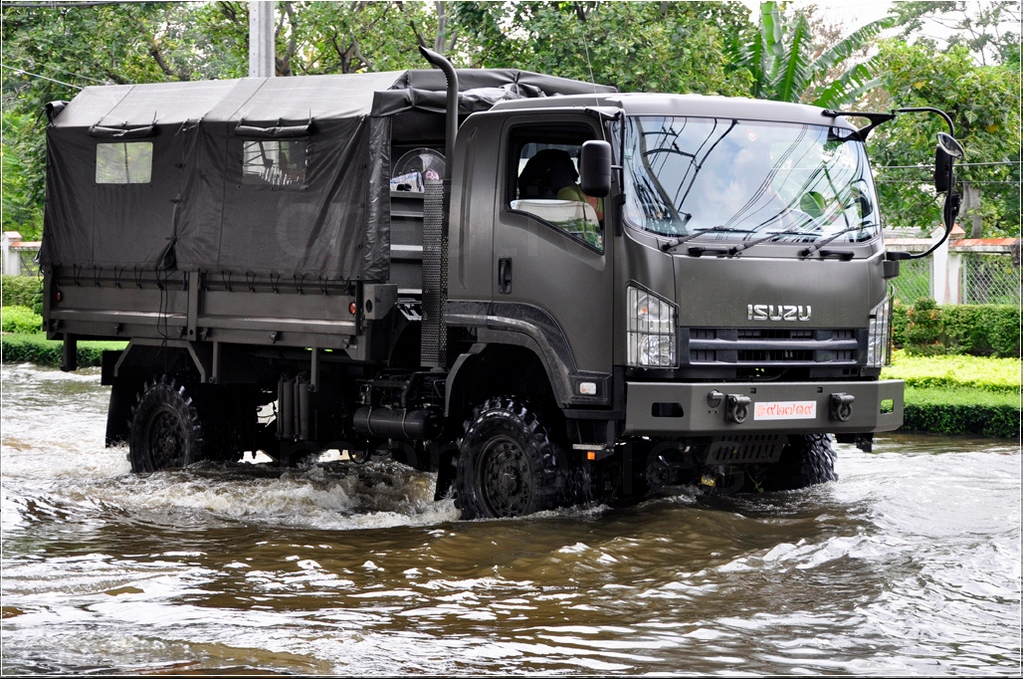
<point x="553" y="133"/>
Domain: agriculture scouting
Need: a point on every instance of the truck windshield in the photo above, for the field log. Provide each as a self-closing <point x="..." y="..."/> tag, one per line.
<point x="746" y="180"/>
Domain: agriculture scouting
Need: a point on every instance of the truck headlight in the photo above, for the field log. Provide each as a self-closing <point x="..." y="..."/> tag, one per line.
<point x="651" y="330"/>
<point x="879" y="334"/>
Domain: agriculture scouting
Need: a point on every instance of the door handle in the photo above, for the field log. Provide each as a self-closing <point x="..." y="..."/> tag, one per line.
<point x="504" y="275"/>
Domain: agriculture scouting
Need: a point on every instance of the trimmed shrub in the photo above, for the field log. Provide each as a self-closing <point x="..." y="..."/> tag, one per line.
<point x="923" y="329"/>
<point x="24" y="291"/>
<point x="963" y="411"/>
<point x="900" y="319"/>
<point x="20" y="319"/>
<point x="35" y="348"/>
<point x="978" y="329"/>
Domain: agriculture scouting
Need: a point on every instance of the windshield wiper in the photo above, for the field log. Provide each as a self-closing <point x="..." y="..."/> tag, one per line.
<point x="746" y="246"/>
<point x="671" y="245"/>
<point x="824" y="241"/>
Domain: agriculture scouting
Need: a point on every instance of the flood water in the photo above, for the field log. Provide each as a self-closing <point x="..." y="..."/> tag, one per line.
<point x="908" y="564"/>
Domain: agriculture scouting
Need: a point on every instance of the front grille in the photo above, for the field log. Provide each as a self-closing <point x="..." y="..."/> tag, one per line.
<point x="770" y="346"/>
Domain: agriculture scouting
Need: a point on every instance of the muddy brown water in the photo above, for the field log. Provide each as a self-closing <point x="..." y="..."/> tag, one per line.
<point x="908" y="564"/>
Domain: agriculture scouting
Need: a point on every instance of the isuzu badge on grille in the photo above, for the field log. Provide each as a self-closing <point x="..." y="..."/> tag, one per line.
<point x="777" y="312"/>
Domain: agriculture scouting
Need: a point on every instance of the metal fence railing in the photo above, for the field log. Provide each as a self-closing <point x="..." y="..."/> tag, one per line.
<point x="989" y="279"/>
<point x="913" y="282"/>
<point x="960" y="271"/>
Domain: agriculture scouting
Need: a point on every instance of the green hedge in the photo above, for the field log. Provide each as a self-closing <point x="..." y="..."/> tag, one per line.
<point x="24" y="291"/>
<point x="925" y="328"/>
<point x="20" y="319"/>
<point x="962" y="411"/>
<point x="35" y="348"/>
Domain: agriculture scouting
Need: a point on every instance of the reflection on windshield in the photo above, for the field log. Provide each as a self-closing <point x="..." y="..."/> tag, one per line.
<point x="739" y="180"/>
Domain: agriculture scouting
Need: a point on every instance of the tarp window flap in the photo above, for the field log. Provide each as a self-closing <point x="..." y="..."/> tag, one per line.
<point x="125" y="132"/>
<point x="274" y="131"/>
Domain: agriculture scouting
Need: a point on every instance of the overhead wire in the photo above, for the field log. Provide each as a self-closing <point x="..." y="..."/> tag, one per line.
<point x="41" y="77"/>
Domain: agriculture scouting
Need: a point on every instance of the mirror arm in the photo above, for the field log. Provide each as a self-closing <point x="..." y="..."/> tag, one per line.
<point x="931" y="109"/>
<point x="949" y="210"/>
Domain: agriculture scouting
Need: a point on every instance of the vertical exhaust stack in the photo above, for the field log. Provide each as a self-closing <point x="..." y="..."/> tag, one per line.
<point x="436" y="211"/>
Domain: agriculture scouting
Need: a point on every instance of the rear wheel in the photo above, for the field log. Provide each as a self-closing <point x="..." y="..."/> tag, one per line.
<point x="175" y="424"/>
<point x="165" y="428"/>
<point x="507" y="463"/>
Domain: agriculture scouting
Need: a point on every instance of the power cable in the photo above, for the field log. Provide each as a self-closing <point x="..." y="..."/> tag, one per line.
<point x="41" y="77"/>
<point x="928" y="167"/>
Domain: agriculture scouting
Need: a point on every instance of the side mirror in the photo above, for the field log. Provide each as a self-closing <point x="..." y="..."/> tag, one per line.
<point x="946" y="153"/>
<point x="595" y="168"/>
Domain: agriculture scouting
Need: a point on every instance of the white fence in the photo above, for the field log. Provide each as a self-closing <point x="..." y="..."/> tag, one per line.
<point x="961" y="271"/>
<point x="19" y="258"/>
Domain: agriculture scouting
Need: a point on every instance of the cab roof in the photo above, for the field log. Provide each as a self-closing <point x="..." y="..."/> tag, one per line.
<point x="706" y="106"/>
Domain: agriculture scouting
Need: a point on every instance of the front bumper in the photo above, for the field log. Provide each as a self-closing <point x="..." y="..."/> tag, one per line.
<point x="710" y="408"/>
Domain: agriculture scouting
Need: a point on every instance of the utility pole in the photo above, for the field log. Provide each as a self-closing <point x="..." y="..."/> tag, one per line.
<point x="261" y="39"/>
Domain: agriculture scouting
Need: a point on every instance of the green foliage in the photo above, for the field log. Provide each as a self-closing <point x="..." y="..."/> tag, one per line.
<point x="923" y="331"/>
<point x="785" y="66"/>
<point x="20" y="319"/>
<point x="992" y="375"/>
<point x="984" y="103"/>
<point x="24" y="291"/>
<point x="635" y="46"/>
<point x="21" y="211"/>
<point x="35" y="348"/>
<point x="989" y="29"/>
<point x="963" y="411"/>
<point x="61" y="49"/>
<point x="979" y="329"/>
<point x="959" y="394"/>
<point x="900" y="319"/>
<point x="355" y="37"/>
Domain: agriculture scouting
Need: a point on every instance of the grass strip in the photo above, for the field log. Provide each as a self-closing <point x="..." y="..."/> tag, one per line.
<point x="996" y="375"/>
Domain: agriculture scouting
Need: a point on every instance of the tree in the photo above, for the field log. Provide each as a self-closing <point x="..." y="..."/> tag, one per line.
<point x="636" y="46"/>
<point x="984" y="103"/>
<point x="353" y="37"/>
<point x="989" y="28"/>
<point x="20" y="205"/>
<point x="780" y="56"/>
<point x="49" y="53"/>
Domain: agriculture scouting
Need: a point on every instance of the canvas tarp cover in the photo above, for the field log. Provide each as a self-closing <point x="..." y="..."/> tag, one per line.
<point x="200" y="211"/>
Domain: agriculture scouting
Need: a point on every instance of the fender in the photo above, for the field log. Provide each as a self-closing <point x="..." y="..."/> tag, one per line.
<point x="530" y="327"/>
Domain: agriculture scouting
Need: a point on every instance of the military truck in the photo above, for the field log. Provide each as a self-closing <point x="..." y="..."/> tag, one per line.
<point x="545" y="291"/>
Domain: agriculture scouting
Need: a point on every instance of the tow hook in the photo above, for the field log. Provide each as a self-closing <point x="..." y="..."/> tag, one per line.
<point x="737" y="408"/>
<point x="841" y="406"/>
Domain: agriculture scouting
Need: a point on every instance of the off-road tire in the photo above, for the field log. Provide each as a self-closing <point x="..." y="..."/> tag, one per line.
<point x="165" y="428"/>
<point x="507" y="463"/>
<point x="807" y="460"/>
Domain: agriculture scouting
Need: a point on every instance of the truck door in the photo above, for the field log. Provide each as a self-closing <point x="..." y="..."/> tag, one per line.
<point x="552" y="251"/>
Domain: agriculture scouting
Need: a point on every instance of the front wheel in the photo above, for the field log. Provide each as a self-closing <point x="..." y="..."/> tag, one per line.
<point x="807" y="460"/>
<point x="507" y="463"/>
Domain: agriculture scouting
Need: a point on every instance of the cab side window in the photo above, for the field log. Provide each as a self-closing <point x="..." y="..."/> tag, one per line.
<point x="547" y="182"/>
